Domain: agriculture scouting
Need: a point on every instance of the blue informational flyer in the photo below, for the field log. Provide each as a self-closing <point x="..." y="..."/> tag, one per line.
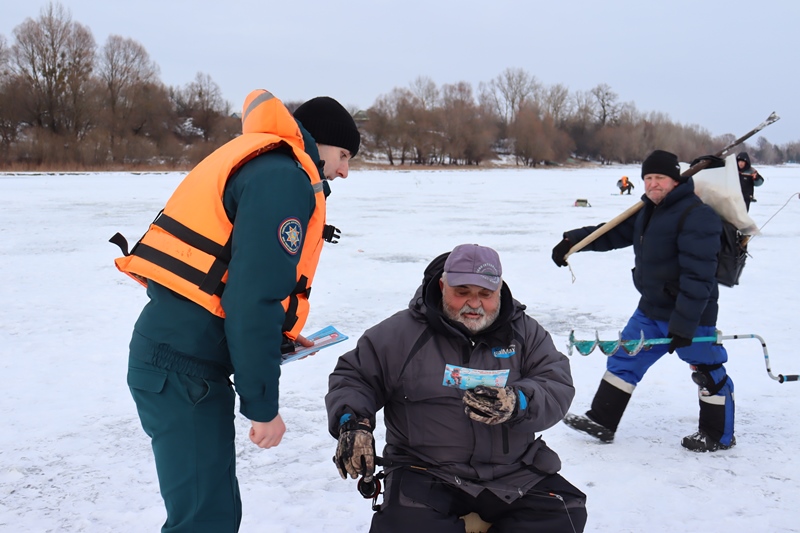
<point x="465" y="378"/>
<point x="327" y="336"/>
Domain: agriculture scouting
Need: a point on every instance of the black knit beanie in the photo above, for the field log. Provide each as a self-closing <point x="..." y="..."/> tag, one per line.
<point x="329" y="123"/>
<point x="661" y="162"/>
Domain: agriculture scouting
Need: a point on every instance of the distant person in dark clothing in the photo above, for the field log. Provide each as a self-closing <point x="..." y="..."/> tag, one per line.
<point x="749" y="178"/>
<point x="625" y="185"/>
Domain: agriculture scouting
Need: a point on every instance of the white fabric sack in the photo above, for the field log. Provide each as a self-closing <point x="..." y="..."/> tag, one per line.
<point x="720" y="188"/>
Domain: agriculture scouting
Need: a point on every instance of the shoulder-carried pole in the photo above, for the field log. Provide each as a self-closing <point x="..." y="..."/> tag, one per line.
<point x="691" y="171"/>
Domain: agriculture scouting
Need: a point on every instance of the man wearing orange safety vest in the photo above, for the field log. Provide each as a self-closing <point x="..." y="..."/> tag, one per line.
<point x="228" y="266"/>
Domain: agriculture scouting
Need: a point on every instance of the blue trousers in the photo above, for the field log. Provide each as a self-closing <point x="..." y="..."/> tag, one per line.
<point x="190" y="422"/>
<point x="632" y="369"/>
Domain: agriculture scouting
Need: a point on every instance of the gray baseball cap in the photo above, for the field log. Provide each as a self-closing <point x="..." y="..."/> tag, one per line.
<point x="471" y="264"/>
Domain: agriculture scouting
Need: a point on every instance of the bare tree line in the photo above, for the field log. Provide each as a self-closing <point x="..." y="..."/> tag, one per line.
<point x="517" y="116"/>
<point x="65" y="103"/>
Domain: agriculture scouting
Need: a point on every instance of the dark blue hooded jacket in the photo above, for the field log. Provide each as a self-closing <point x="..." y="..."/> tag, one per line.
<point x="674" y="272"/>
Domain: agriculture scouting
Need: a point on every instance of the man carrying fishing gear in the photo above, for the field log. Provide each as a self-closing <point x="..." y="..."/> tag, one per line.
<point x="675" y="254"/>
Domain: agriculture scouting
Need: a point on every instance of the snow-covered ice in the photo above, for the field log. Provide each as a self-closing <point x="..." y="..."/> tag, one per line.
<point x="74" y="458"/>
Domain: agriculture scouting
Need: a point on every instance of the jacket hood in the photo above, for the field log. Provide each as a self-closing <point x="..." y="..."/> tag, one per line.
<point x="426" y="306"/>
<point x="743" y="156"/>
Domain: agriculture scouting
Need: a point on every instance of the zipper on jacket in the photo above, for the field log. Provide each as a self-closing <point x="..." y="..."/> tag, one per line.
<point x="466" y="353"/>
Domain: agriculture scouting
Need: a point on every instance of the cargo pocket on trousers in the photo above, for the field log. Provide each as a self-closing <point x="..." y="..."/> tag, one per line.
<point x="146" y="380"/>
<point x="196" y="388"/>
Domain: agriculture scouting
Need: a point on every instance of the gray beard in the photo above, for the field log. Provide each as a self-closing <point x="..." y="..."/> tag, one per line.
<point x="474" y="326"/>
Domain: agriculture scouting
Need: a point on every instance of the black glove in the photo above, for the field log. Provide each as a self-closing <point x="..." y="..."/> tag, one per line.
<point x="491" y="405"/>
<point x="560" y="251"/>
<point x="678" y="342"/>
<point x="355" y="453"/>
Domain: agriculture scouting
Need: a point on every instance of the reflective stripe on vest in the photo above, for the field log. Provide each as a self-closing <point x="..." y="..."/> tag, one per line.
<point x="187" y="247"/>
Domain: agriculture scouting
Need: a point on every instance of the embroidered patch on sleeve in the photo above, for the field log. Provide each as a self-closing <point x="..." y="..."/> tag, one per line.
<point x="504" y="353"/>
<point x="290" y="234"/>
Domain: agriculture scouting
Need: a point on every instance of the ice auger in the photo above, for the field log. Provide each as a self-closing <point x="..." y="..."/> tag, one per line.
<point x="634" y="346"/>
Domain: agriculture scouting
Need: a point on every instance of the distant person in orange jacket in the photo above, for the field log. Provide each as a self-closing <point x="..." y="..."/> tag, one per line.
<point x="624" y="184"/>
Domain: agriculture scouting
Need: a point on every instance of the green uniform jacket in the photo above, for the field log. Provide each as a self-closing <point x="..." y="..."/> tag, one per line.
<point x="174" y="333"/>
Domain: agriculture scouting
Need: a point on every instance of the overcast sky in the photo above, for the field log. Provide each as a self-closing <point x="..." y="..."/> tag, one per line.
<point x="721" y="64"/>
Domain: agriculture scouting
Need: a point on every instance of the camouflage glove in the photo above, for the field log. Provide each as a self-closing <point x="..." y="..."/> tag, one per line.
<point x="493" y="405"/>
<point x="355" y="453"/>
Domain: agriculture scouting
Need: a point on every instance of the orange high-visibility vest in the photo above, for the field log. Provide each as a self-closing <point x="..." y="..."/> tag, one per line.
<point x="188" y="246"/>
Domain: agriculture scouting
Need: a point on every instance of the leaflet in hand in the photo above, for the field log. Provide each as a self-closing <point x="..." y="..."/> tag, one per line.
<point x="468" y="378"/>
<point x="327" y="336"/>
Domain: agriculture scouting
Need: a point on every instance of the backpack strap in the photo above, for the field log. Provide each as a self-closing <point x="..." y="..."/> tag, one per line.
<point x="686" y="214"/>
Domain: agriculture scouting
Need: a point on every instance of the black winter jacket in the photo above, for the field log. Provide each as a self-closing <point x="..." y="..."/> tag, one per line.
<point x="749" y="178"/>
<point x="675" y="273"/>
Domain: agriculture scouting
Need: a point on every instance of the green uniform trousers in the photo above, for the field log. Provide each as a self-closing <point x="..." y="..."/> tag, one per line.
<point x="190" y="421"/>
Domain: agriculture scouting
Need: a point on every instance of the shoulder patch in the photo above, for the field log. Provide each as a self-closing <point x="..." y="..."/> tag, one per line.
<point x="290" y="235"/>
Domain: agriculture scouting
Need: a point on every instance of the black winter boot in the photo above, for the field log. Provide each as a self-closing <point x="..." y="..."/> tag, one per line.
<point x="608" y="405"/>
<point x="702" y="442"/>
<point x="712" y="427"/>
<point x="712" y="418"/>
<point x="589" y="426"/>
